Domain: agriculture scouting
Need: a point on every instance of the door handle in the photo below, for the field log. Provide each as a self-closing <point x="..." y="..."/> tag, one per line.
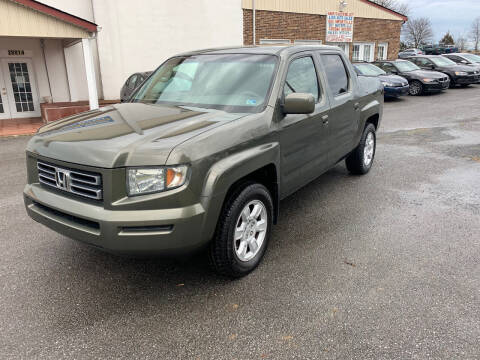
<point x="325" y="119"/>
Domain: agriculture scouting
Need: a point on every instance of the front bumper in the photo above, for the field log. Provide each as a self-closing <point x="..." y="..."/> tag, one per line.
<point x="160" y="231"/>
<point x="467" y="80"/>
<point x="396" y="91"/>
<point x="437" y="86"/>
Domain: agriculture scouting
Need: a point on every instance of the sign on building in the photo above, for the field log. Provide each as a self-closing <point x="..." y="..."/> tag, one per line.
<point x="339" y="27"/>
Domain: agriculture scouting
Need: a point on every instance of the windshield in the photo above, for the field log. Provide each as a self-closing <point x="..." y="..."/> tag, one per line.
<point x="405" y="66"/>
<point x="233" y="83"/>
<point x="369" y="70"/>
<point x="442" y="61"/>
<point x="472" y="58"/>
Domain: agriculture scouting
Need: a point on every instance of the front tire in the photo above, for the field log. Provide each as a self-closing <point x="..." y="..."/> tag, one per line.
<point x="416" y="88"/>
<point x="243" y="231"/>
<point x="360" y="160"/>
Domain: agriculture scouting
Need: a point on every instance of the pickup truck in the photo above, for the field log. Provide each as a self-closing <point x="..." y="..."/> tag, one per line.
<point x="202" y="153"/>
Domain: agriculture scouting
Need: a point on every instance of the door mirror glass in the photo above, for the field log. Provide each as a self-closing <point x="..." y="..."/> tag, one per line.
<point x="299" y="103"/>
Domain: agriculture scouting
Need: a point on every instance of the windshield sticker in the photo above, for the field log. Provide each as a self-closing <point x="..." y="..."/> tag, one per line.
<point x="252" y="102"/>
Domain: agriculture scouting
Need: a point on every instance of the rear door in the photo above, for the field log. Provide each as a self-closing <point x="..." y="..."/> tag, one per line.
<point x="303" y="138"/>
<point x="345" y="110"/>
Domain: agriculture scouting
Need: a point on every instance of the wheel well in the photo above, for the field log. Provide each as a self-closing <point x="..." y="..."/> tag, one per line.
<point x="373" y="120"/>
<point x="267" y="176"/>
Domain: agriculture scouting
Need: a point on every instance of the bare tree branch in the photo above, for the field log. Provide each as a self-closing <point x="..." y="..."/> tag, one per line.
<point x="418" y="31"/>
<point x="475" y="32"/>
<point x="461" y="42"/>
<point x="394" y="5"/>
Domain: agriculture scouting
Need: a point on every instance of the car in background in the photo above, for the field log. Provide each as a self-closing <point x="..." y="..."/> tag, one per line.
<point x="467" y="59"/>
<point x="459" y="74"/>
<point x="409" y="52"/>
<point x="394" y="85"/>
<point x="439" y="49"/>
<point x="132" y="83"/>
<point x="420" y="81"/>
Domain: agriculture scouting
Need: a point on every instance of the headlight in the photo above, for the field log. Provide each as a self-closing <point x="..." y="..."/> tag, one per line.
<point x="429" y="80"/>
<point x="460" y="73"/>
<point x="387" y="84"/>
<point x="155" y="179"/>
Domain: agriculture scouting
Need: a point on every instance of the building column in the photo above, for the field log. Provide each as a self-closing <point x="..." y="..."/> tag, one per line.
<point x="90" y="72"/>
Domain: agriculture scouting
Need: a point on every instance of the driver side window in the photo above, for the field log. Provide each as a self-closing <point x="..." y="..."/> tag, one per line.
<point x="302" y="78"/>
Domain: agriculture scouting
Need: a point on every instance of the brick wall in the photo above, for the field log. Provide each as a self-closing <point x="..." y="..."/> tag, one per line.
<point x="294" y="26"/>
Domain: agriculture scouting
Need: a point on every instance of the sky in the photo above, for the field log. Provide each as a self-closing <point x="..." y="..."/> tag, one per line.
<point x="445" y="15"/>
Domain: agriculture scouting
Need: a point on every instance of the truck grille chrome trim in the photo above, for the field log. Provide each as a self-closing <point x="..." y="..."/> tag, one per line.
<point x="80" y="183"/>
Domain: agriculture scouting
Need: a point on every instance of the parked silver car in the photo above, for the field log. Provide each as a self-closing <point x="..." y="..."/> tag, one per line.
<point x="409" y="53"/>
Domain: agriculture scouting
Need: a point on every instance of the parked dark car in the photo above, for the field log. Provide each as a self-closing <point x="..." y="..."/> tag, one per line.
<point x="438" y="49"/>
<point x="394" y="85"/>
<point x="203" y="152"/>
<point x="420" y="81"/>
<point x="458" y="74"/>
<point x="132" y="83"/>
<point x="409" y="53"/>
<point x="467" y="59"/>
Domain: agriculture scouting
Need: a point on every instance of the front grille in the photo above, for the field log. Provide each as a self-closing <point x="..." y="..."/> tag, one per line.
<point x="445" y="79"/>
<point x="81" y="183"/>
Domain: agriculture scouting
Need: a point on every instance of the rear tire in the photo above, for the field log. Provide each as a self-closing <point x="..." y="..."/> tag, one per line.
<point x="416" y="88"/>
<point x="360" y="160"/>
<point x="243" y="231"/>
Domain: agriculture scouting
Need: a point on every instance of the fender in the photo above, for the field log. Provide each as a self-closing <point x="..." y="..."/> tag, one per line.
<point x="372" y="108"/>
<point x="229" y="170"/>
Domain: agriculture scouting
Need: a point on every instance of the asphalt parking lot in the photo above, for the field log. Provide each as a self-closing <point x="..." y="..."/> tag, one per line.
<point x="385" y="266"/>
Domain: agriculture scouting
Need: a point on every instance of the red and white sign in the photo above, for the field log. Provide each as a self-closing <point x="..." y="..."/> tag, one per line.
<point x="339" y="27"/>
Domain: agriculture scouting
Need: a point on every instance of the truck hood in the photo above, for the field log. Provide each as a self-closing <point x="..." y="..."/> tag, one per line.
<point x="128" y="134"/>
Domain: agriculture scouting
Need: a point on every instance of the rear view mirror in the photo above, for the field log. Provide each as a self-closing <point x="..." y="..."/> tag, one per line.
<point x="299" y="103"/>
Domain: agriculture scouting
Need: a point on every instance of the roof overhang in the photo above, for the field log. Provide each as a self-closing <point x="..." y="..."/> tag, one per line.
<point x="29" y="18"/>
<point x="360" y="8"/>
<point x="401" y="16"/>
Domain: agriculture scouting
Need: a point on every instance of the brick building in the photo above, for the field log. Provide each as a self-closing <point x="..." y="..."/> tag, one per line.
<point x="366" y="32"/>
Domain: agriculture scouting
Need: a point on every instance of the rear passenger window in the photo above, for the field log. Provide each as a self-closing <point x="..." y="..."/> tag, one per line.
<point x="302" y="78"/>
<point x="336" y="73"/>
<point x="388" y="68"/>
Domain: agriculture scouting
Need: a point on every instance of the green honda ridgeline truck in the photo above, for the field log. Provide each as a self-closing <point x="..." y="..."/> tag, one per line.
<point x="203" y="152"/>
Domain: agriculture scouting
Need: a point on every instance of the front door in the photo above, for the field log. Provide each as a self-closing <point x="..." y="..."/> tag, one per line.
<point x="20" y="88"/>
<point x="304" y="154"/>
<point x="4" y="107"/>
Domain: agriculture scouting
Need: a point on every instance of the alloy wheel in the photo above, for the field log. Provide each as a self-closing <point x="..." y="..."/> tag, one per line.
<point x="250" y="230"/>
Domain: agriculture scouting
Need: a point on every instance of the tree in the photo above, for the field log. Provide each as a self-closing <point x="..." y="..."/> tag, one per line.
<point x="394" y="5"/>
<point x="475" y="33"/>
<point x="461" y="42"/>
<point x="447" y="39"/>
<point x="418" y="31"/>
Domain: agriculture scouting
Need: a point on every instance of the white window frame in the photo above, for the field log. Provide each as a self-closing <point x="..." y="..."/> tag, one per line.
<point x="362" y="50"/>
<point x="345" y="46"/>
<point x="308" y="42"/>
<point x="385" y="50"/>
<point x="275" y="42"/>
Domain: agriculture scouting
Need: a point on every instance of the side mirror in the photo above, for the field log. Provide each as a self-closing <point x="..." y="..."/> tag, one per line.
<point x="464" y="62"/>
<point x="299" y="103"/>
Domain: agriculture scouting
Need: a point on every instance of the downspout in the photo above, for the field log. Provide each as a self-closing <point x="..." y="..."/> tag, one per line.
<point x="42" y="45"/>
<point x="253" y="21"/>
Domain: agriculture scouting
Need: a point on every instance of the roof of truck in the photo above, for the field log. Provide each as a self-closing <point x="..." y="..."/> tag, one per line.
<point x="262" y="50"/>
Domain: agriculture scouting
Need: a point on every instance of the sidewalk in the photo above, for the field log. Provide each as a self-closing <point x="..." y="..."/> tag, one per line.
<point x="13" y="127"/>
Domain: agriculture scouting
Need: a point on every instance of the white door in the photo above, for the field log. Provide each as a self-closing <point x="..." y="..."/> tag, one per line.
<point x="21" y="87"/>
<point x="4" y="107"/>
